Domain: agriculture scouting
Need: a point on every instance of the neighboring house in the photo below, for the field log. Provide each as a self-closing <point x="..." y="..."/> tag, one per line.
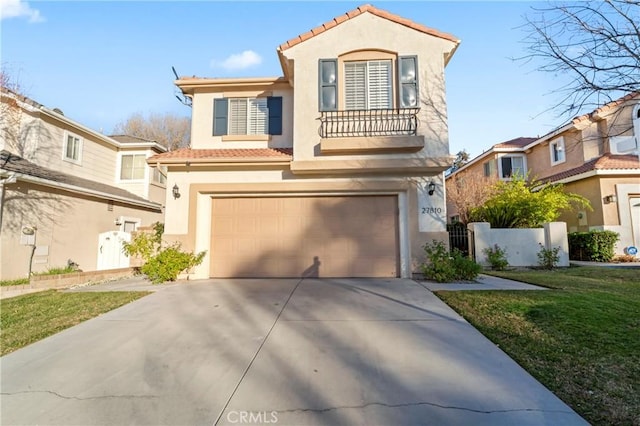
<point x="71" y="185"/>
<point x="595" y="155"/>
<point x="334" y="169"/>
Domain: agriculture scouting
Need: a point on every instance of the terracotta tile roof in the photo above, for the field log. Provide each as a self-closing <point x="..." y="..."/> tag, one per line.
<point x="515" y="143"/>
<point x="605" y="162"/>
<point x="14" y="163"/>
<point x="359" y="11"/>
<point x="605" y="107"/>
<point x="229" y="154"/>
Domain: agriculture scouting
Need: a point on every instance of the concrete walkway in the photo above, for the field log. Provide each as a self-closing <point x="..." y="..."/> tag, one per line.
<point x="483" y="282"/>
<point x="290" y="352"/>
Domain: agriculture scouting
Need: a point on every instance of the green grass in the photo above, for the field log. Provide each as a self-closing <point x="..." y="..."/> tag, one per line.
<point x="581" y="339"/>
<point x="19" y="281"/>
<point x="29" y="318"/>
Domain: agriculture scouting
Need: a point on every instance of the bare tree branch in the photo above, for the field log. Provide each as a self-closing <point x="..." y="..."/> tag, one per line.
<point x="595" y="44"/>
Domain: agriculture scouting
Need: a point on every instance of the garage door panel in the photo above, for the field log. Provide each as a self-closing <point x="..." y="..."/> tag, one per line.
<point x="287" y="236"/>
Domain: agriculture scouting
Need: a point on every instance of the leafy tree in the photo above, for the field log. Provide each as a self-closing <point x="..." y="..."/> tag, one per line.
<point x="462" y="158"/>
<point x="521" y="204"/>
<point x="595" y="44"/>
<point x="168" y="130"/>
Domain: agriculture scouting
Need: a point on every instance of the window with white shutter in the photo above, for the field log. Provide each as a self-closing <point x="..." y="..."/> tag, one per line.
<point x="247" y="116"/>
<point x="368" y="85"/>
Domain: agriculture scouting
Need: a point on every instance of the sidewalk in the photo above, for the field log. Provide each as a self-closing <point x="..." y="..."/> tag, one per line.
<point x="483" y="282"/>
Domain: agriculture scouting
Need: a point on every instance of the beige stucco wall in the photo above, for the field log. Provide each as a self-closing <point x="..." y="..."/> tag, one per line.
<point x="369" y="32"/>
<point x="202" y="118"/>
<point x="68" y="227"/>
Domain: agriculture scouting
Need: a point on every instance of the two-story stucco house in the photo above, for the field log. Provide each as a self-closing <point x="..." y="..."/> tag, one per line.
<point x="594" y="155"/>
<point x="68" y="192"/>
<point x="333" y="169"/>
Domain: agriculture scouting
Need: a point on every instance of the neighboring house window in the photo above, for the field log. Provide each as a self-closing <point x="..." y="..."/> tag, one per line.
<point x="247" y="116"/>
<point x="512" y="166"/>
<point x="368" y="84"/>
<point x="489" y="168"/>
<point x="556" y="150"/>
<point x="72" y="148"/>
<point x="160" y="175"/>
<point x="132" y="166"/>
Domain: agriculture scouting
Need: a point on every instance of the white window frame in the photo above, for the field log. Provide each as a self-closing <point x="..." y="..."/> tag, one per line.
<point x="635" y="119"/>
<point x="252" y="110"/>
<point x="123" y="220"/>
<point x="119" y="167"/>
<point x="524" y="165"/>
<point x="65" y="143"/>
<point x="368" y="92"/>
<point x="557" y="145"/>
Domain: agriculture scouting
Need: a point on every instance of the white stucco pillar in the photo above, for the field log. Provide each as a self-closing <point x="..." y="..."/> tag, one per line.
<point x="555" y="235"/>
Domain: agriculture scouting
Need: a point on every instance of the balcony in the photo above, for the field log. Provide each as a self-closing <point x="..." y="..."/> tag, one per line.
<point x="369" y="131"/>
<point x="367" y="123"/>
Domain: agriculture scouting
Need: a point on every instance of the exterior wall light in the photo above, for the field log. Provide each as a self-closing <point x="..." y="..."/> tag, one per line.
<point x="610" y="199"/>
<point x="432" y="187"/>
<point x="176" y="192"/>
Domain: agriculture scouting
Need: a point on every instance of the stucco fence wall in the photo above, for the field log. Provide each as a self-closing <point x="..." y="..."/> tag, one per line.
<point x="522" y="245"/>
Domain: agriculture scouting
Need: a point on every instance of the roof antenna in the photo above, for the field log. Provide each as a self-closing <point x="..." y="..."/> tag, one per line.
<point x="184" y="100"/>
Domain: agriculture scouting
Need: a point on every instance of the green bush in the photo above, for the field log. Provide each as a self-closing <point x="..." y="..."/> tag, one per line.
<point x="593" y="246"/>
<point x="160" y="264"/>
<point x="443" y="266"/>
<point x="548" y="258"/>
<point x="168" y="263"/>
<point x="497" y="257"/>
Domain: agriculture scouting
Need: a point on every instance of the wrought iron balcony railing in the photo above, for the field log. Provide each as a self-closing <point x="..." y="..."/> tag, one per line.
<point x="373" y="122"/>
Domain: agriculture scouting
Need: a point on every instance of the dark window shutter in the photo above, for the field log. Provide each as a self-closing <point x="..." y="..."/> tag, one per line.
<point x="220" y="116"/>
<point x="408" y="81"/>
<point x="274" y="105"/>
<point x="328" y="84"/>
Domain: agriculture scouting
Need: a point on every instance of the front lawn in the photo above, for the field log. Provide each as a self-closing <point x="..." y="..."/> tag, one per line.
<point x="581" y="339"/>
<point x="32" y="317"/>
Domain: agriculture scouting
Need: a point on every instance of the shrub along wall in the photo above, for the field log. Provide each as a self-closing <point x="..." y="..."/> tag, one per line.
<point x="593" y="246"/>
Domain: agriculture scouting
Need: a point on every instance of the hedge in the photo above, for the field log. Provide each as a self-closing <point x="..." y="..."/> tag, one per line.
<point x="594" y="246"/>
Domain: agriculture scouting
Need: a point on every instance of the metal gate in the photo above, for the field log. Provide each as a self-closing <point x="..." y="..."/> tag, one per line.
<point x="458" y="237"/>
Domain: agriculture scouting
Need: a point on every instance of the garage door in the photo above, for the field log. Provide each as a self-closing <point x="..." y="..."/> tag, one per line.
<point x="305" y="236"/>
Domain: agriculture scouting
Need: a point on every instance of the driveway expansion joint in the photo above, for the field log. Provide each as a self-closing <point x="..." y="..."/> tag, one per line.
<point x="77" y="398"/>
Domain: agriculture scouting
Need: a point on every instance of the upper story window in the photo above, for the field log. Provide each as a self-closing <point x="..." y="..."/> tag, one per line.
<point x="247" y="116"/>
<point x="72" y="150"/>
<point x="489" y="168"/>
<point x="132" y="166"/>
<point x="368" y="84"/>
<point x="556" y="150"/>
<point x="511" y="166"/>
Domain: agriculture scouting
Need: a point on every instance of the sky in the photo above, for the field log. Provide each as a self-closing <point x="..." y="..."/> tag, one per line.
<point x="102" y="61"/>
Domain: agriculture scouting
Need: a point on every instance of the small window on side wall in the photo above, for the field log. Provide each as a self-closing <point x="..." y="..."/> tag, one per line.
<point x="489" y="168"/>
<point x="556" y="151"/>
<point x="72" y="150"/>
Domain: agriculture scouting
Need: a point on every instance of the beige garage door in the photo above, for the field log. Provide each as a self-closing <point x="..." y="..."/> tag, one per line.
<point x="305" y="236"/>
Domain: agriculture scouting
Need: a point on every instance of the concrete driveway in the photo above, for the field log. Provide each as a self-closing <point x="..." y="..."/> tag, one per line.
<point x="316" y="351"/>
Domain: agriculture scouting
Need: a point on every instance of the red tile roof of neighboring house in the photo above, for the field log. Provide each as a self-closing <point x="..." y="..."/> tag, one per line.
<point x="359" y="11"/>
<point x="229" y="154"/>
<point x="605" y="107"/>
<point x="515" y="143"/>
<point x="606" y="162"/>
